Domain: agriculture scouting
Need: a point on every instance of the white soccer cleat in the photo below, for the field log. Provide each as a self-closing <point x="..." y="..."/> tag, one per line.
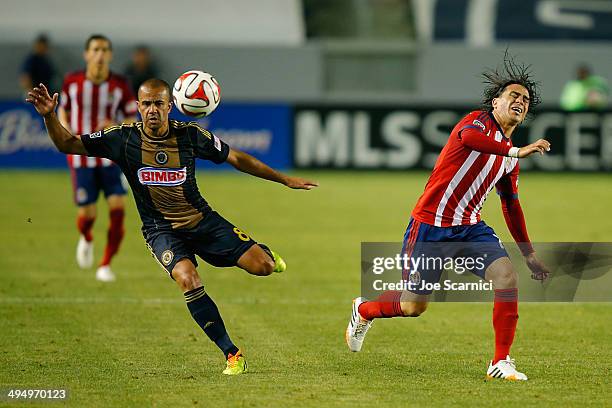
<point x="357" y="327"/>
<point x="506" y="370"/>
<point x="105" y="274"/>
<point x="84" y="253"/>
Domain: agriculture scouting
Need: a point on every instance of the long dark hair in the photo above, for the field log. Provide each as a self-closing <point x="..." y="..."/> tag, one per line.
<point x="511" y="72"/>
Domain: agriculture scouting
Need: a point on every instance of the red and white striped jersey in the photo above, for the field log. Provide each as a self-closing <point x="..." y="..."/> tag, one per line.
<point x="90" y="105"/>
<point x="462" y="178"/>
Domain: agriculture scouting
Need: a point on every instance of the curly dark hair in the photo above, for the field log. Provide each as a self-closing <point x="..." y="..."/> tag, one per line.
<point x="512" y="72"/>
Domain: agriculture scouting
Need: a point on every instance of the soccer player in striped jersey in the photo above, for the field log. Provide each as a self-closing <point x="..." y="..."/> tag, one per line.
<point x="91" y="100"/>
<point x="478" y="157"/>
<point x="158" y="158"/>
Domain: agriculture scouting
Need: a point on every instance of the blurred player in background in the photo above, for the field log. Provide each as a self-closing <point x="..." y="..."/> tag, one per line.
<point x="37" y="67"/>
<point x="92" y="100"/>
<point x="141" y="67"/>
<point x="158" y="158"/>
<point x="477" y="157"/>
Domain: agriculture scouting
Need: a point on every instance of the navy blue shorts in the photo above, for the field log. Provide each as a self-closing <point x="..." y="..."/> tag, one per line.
<point x="214" y="239"/>
<point x="87" y="183"/>
<point x="431" y="249"/>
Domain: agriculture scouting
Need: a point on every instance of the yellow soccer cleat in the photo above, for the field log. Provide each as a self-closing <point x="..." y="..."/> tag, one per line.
<point x="279" y="263"/>
<point x="236" y="364"/>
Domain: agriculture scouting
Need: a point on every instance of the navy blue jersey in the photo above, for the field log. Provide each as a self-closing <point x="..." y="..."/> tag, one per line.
<point x="161" y="171"/>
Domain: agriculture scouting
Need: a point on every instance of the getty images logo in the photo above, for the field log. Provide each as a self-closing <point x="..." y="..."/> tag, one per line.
<point x="154" y="176"/>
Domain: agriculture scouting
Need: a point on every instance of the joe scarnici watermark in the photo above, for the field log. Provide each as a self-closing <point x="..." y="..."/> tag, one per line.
<point x="413" y="267"/>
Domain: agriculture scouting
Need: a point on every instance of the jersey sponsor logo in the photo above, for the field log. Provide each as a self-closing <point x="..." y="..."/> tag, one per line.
<point x="479" y="123"/>
<point x="95" y="134"/>
<point x="154" y="176"/>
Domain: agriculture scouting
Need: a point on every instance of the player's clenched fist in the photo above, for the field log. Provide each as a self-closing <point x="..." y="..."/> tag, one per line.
<point x="42" y="101"/>
<point x="540" y="146"/>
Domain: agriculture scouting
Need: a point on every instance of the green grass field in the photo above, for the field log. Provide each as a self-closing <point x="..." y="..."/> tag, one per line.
<point x="133" y="344"/>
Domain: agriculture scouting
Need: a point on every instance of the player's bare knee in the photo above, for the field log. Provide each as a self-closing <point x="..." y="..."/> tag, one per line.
<point x="188" y="281"/>
<point x="115" y="202"/>
<point x="186" y="276"/>
<point x="502" y="274"/>
<point x="88" y="211"/>
<point x="413" y="309"/>
<point x="506" y="278"/>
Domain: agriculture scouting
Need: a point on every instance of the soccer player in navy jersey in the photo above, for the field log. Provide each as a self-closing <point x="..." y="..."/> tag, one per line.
<point x="478" y="157"/>
<point x="92" y="99"/>
<point x="157" y="157"/>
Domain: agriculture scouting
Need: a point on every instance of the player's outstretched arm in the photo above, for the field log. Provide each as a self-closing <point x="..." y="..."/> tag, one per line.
<point x="248" y="164"/>
<point x="540" y="146"/>
<point x="515" y="220"/>
<point x="45" y="105"/>
<point x="475" y="140"/>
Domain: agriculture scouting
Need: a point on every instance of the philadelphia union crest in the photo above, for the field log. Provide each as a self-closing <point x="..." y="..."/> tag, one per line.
<point x="161" y="157"/>
<point x="167" y="257"/>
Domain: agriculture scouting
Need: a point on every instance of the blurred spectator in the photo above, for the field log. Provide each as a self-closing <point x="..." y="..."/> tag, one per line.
<point x="37" y="67"/>
<point x="141" y="68"/>
<point x="586" y="92"/>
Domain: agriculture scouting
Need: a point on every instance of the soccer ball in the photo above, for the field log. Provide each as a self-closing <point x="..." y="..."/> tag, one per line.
<point x="196" y="94"/>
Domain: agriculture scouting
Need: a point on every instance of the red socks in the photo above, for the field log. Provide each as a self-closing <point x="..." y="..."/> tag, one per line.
<point x="505" y="318"/>
<point x="85" y="225"/>
<point x="505" y="315"/>
<point x="115" y="235"/>
<point x="387" y="305"/>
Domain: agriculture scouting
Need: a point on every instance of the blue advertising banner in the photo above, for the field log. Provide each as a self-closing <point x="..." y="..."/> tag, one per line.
<point x="24" y="142"/>
<point x="262" y="130"/>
